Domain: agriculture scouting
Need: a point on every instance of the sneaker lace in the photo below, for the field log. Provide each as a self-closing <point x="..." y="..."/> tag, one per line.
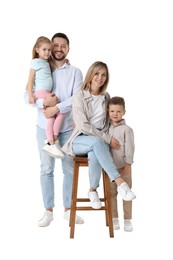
<point x="125" y="188"/>
<point x="95" y="197"/>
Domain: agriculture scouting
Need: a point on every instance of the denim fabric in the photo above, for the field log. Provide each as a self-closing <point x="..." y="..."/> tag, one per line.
<point x="99" y="156"/>
<point x="47" y="164"/>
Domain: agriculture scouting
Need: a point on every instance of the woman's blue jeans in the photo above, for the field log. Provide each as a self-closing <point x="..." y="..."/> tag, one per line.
<point x="99" y="157"/>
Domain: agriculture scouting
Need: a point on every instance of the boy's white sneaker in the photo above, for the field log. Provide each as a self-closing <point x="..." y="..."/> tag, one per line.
<point x="116" y="223"/>
<point x="126" y="192"/>
<point x="46" y="219"/>
<point x="54" y="150"/>
<point x="128" y="225"/>
<point x="94" y="199"/>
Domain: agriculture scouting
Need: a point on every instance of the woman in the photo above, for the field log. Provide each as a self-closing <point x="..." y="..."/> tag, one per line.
<point x="90" y="133"/>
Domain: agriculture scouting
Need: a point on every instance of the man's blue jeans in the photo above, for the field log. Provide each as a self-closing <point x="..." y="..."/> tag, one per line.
<point x="47" y="164"/>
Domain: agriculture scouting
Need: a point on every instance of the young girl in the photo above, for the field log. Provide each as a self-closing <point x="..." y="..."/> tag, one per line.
<point x="39" y="86"/>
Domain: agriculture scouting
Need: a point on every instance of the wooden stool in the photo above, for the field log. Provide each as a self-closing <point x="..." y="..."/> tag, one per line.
<point x="80" y="161"/>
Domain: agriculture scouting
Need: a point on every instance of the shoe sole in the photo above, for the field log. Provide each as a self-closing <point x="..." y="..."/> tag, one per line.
<point x="44" y="225"/>
<point x="77" y="221"/>
<point x="134" y="197"/>
<point x="99" y="207"/>
<point x="128" y="230"/>
<point x="54" y="156"/>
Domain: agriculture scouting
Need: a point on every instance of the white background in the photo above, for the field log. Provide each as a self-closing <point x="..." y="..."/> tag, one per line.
<point x="135" y="39"/>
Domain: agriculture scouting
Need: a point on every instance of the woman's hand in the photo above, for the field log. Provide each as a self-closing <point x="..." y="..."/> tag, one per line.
<point x="115" y="143"/>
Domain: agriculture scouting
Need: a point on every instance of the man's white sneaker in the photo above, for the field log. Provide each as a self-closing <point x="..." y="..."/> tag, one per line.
<point x="78" y="219"/>
<point x="128" y="225"/>
<point x="126" y="192"/>
<point x="116" y="223"/>
<point x="46" y="219"/>
<point x="53" y="150"/>
<point x="94" y="199"/>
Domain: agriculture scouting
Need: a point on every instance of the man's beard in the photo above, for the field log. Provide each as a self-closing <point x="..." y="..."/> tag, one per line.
<point x="58" y="59"/>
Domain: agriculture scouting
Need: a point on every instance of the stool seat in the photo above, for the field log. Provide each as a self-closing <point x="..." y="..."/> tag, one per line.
<point x="82" y="161"/>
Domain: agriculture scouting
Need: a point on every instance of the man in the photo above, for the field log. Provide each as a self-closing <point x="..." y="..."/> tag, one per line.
<point x="67" y="80"/>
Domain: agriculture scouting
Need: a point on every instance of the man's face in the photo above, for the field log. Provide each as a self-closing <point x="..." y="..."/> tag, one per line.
<point x="60" y="48"/>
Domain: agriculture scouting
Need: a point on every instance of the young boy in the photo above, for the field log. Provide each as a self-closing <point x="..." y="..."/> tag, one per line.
<point x="123" y="158"/>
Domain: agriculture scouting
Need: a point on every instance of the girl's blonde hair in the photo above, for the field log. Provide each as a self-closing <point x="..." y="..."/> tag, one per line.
<point x="39" y="42"/>
<point x="93" y="69"/>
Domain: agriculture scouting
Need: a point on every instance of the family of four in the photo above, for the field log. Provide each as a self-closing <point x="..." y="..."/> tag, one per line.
<point x="77" y="116"/>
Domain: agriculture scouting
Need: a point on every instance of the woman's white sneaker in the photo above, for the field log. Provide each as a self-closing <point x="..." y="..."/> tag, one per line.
<point x="94" y="199"/>
<point x="125" y="192"/>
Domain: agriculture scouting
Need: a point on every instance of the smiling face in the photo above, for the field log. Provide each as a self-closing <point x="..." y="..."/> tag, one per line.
<point x="44" y="51"/>
<point x="116" y="113"/>
<point x="60" y="48"/>
<point x="98" y="80"/>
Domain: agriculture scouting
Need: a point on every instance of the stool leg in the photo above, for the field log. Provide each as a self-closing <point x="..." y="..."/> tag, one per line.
<point x="106" y="185"/>
<point x="104" y="192"/>
<point x="73" y="201"/>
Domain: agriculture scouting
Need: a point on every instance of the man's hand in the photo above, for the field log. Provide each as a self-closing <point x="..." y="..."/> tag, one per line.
<point x="50" y="111"/>
<point x="51" y="100"/>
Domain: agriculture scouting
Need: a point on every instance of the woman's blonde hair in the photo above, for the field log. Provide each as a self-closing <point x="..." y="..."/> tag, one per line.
<point x="93" y="69"/>
<point x="39" y="42"/>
